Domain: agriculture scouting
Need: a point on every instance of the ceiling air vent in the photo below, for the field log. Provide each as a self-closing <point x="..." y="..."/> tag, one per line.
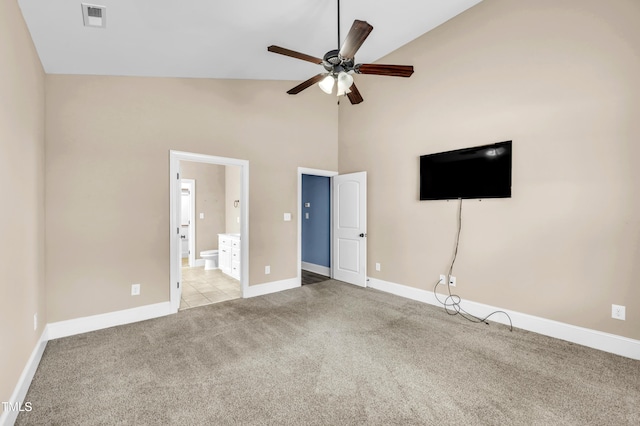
<point x="94" y="16"/>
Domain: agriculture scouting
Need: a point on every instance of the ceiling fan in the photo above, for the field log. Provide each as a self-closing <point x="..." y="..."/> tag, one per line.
<point x="340" y="64"/>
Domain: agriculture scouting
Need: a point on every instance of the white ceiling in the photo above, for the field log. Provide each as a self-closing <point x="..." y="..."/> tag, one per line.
<point x="220" y="39"/>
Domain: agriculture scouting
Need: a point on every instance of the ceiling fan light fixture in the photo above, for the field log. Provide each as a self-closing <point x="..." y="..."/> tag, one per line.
<point x="340" y="63"/>
<point x="343" y="91"/>
<point x="326" y="84"/>
<point x="345" y="81"/>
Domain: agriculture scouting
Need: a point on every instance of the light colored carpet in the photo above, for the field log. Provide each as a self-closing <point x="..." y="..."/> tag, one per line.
<point x="327" y="354"/>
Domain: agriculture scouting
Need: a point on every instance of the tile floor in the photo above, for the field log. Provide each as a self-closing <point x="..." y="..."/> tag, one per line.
<point x="200" y="287"/>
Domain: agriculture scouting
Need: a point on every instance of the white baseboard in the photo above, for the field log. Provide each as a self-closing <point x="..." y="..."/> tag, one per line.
<point x="318" y="269"/>
<point x="71" y="327"/>
<point x="20" y="392"/>
<point x="606" y="342"/>
<point x="199" y="262"/>
<point x="272" y="287"/>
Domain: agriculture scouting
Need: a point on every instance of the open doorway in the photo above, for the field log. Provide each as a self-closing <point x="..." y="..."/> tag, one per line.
<point x="316" y="229"/>
<point x="216" y="212"/>
<point x="221" y="234"/>
<point x="314" y="225"/>
<point x="347" y="230"/>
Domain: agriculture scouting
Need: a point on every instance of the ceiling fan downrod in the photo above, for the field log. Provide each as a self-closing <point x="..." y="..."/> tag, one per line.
<point x="338" y="24"/>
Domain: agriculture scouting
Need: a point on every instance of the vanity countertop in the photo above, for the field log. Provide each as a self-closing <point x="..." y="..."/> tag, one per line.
<point x="231" y="235"/>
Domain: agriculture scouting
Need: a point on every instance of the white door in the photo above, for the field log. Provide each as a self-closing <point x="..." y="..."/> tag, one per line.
<point x="188" y="220"/>
<point x="177" y="207"/>
<point x="350" y="228"/>
<point x="185" y="214"/>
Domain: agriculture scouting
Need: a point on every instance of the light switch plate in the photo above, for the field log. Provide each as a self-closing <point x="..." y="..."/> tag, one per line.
<point x="201" y="215"/>
<point x="287" y="217"/>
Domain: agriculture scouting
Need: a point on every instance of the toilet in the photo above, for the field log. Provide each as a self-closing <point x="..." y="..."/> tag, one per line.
<point x="210" y="259"/>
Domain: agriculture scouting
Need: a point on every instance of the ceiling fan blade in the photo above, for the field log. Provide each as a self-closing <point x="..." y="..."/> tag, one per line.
<point x="354" y="96"/>
<point x="294" y="54"/>
<point x="357" y="34"/>
<point x="300" y="87"/>
<point x="380" y="69"/>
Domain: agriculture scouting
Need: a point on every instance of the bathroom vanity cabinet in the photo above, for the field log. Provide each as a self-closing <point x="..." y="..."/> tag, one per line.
<point x="229" y="254"/>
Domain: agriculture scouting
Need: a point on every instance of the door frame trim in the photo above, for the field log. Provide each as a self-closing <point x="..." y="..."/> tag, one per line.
<point x="314" y="172"/>
<point x="174" y="168"/>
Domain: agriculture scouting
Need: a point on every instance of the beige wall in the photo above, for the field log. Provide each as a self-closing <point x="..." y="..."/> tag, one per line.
<point x="233" y="186"/>
<point x="560" y="79"/>
<point x="22" y="191"/>
<point x="210" y="200"/>
<point x="108" y="142"/>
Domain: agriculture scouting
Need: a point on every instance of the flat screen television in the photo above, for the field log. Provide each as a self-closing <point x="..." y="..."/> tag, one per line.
<point x="478" y="172"/>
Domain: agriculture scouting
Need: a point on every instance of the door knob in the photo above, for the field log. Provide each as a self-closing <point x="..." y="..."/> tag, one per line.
<point x="363" y="235"/>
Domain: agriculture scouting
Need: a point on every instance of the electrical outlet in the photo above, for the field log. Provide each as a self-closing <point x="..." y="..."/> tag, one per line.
<point x="135" y="289"/>
<point x="452" y="281"/>
<point x="377" y="266"/>
<point x="267" y="270"/>
<point x="35" y="321"/>
<point x="443" y="279"/>
<point x="618" y="312"/>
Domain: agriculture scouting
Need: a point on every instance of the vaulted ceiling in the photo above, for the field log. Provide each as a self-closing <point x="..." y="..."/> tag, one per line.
<point x="220" y="39"/>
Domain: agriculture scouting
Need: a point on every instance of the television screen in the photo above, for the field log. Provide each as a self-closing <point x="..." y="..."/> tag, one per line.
<point x="478" y="172"/>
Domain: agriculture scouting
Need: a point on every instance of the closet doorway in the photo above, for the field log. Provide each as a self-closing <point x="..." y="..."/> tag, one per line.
<point x="314" y="225"/>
